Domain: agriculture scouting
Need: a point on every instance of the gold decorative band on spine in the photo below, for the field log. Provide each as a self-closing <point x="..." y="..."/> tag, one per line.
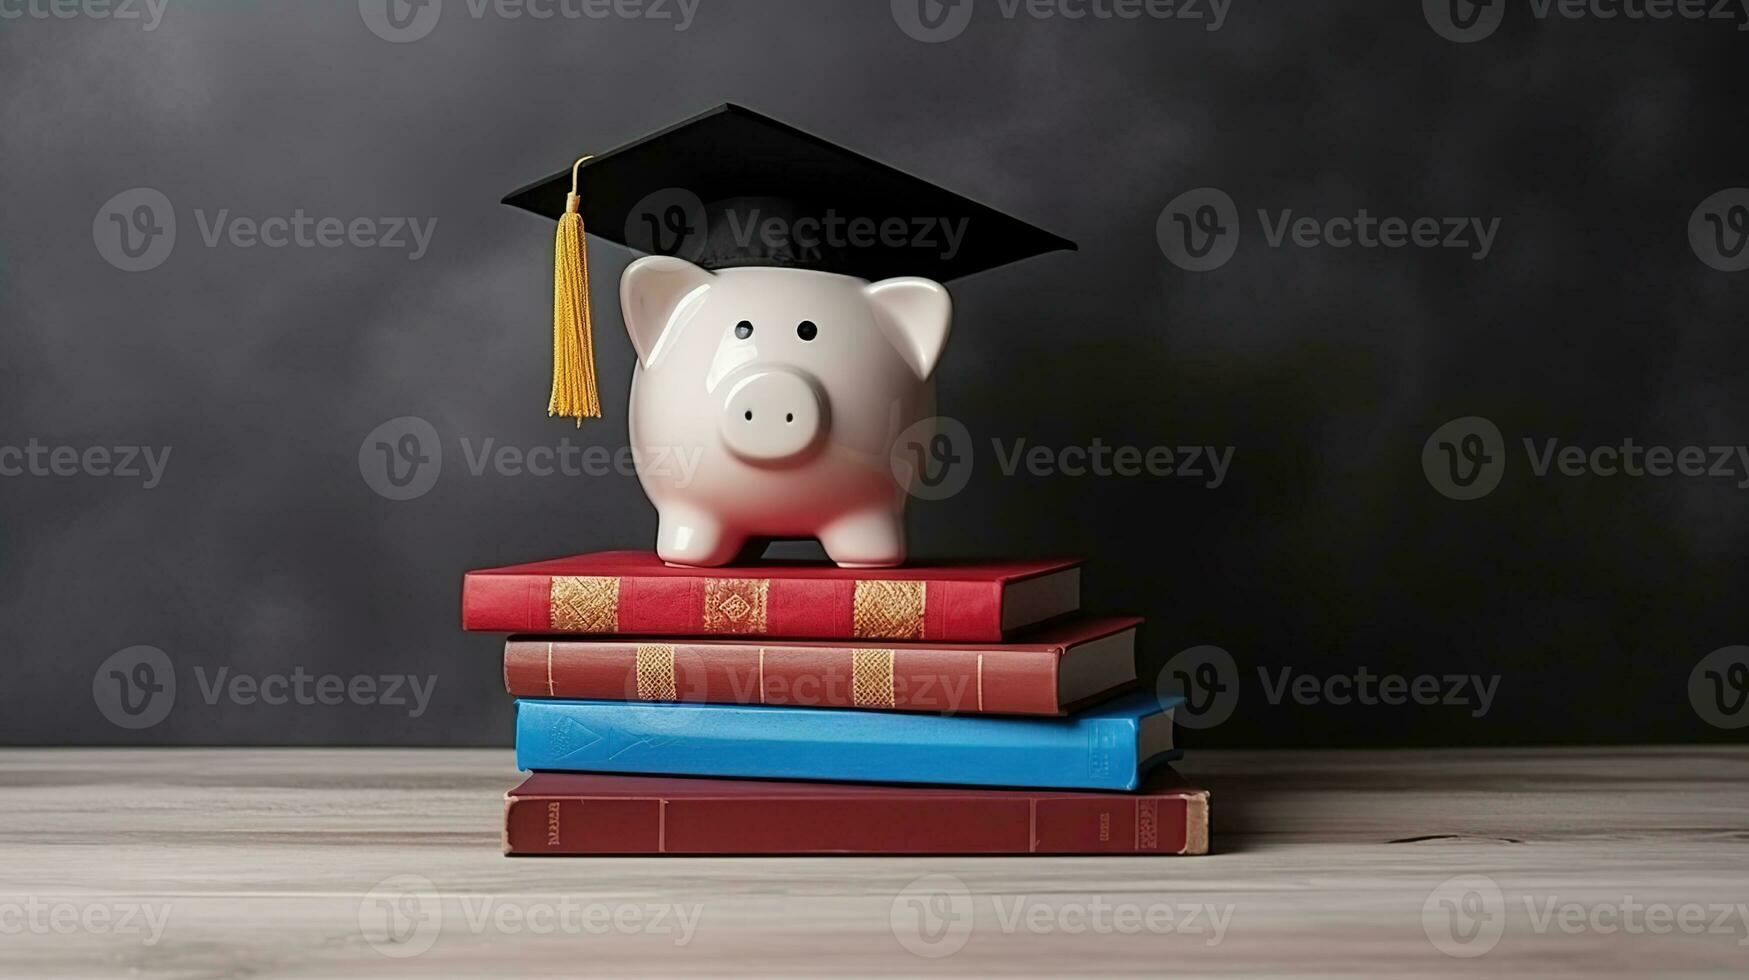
<point x="1147" y="825"/>
<point x="656" y="672"/>
<point x="735" y="605"/>
<point x="584" y="604"/>
<point x="887" y="610"/>
<point x="871" y="678"/>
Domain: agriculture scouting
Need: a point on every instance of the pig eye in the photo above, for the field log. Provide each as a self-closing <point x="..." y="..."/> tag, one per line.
<point x="806" y="330"/>
<point x="743" y="330"/>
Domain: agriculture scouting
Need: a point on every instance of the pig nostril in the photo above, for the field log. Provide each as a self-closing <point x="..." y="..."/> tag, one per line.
<point x="789" y="418"/>
<point x="749" y="416"/>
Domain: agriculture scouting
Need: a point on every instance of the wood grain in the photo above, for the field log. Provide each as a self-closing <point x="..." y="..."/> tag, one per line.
<point x="264" y="863"/>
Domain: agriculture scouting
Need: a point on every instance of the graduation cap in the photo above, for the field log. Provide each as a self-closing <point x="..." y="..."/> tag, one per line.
<point x="732" y="188"/>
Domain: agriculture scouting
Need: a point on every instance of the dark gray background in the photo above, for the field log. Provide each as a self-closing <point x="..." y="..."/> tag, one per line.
<point x="1326" y="550"/>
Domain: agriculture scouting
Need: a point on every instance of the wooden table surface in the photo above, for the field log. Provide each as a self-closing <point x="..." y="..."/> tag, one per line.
<point x="354" y="862"/>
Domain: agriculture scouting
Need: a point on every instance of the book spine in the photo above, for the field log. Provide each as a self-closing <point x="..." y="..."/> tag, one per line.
<point x="898" y="823"/>
<point x="792" y="608"/>
<point x="1015" y="681"/>
<point x="837" y="746"/>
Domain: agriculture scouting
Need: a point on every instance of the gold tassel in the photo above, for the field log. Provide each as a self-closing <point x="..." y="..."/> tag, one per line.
<point x="575" y="394"/>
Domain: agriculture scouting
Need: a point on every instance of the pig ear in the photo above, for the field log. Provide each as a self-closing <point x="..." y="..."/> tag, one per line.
<point x="916" y="314"/>
<point x="652" y="293"/>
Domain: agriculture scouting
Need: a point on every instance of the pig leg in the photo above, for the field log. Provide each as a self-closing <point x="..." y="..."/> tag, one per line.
<point x="865" y="539"/>
<point x="690" y="537"/>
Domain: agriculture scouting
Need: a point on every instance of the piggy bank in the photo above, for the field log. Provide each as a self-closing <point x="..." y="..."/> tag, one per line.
<point x="766" y="401"/>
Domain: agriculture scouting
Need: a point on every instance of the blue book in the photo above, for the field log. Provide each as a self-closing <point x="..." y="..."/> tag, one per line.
<point x="1107" y="746"/>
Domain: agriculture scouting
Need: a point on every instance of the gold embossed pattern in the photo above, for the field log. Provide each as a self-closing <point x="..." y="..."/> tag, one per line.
<point x="871" y="678"/>
<point x="585" y="604"/>
<point x="888" y="610"/>
<point x="1147" y="825"/>
<point x="656" y="672"/>
<point x="735" y="605"/>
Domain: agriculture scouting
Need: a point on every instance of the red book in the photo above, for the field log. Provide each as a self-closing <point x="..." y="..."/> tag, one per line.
<point x="632" y="593"/>
<point x="1046" y="671"/>
<point x="597" y="814"/>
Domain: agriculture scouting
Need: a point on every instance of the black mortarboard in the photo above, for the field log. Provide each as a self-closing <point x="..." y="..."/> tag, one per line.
<point x="732" y="188"/>
<point x="744" y="174"/>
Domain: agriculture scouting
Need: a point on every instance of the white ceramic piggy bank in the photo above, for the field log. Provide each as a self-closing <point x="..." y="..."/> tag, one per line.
<point x="785" y="389"/>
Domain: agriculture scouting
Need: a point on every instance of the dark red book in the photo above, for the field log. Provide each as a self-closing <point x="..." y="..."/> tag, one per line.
<point x="632" y="593"/>
<point x="596" y="814"/>
<point x="1045" y="671"/>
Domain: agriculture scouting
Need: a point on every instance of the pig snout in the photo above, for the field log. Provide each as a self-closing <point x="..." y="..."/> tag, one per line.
<point x="772" y="415"/>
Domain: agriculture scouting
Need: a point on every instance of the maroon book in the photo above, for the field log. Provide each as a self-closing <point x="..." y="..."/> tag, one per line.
<point x="633" y="593"/>
<point x="1046" y="671"/>
<point x="599" y="814"/>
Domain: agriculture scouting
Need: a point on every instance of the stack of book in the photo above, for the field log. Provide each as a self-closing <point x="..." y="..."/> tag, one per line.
<point x="799" y="708"/>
